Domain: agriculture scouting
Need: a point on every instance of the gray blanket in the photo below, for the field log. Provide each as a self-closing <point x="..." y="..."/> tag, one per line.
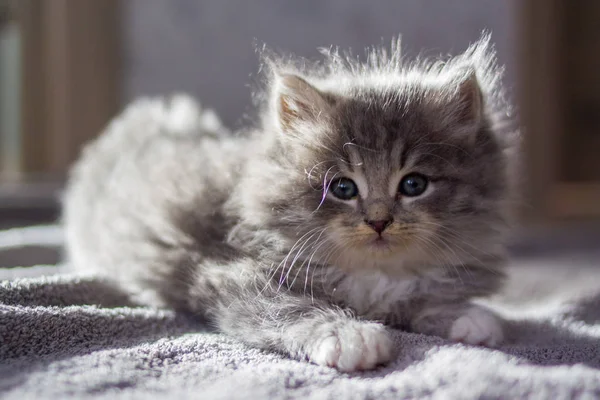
<point x="73" y="336"/>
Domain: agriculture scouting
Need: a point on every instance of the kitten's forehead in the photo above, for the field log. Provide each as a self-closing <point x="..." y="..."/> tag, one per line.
<point x="376" y="129"/>
<point x="375" y="153"/>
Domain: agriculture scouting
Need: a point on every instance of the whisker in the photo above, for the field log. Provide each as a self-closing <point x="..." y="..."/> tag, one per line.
<point x="316" y="241"/>
<point x="298" y="253"/>
<point x="282" y="263"/>
<point x="452" y="246"/>
<point x="311" y="257"/>
<point x="458" y="236"/>
<point x="309" y="173"/>
<point x="324" y="262"/>
<point x="326" y="185"/>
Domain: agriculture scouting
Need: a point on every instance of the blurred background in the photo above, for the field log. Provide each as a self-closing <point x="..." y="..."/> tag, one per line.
<point x="68" y="66"/>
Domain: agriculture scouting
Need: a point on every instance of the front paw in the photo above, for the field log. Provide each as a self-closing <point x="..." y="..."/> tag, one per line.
<point x="477" y="326"/>
<point x="351" y="346"/>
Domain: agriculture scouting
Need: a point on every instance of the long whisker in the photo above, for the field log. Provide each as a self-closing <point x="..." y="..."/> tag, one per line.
<point x="311" y="258"/>
<point x="328" y="251"/>
<point x="283" y="279"/>
<point x="456" y="235"/>
<point x="452" y="246"/>
<point x="326" y="185"/>
<point x="441" y="256"/>
<point x="282" y="263"/>
<point x="310" y="175"/>
<point x="457" y="259"/>
<point x="311" y="247"/>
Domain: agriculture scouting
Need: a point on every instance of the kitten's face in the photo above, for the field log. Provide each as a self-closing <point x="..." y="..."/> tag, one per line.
<point x="393" y="179"/>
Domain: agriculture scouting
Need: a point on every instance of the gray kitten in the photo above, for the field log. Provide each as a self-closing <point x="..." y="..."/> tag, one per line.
<point x="372" y="193"/>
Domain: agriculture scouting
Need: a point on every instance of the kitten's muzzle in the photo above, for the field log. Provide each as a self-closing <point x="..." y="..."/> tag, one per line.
<point x="380" y="225"/>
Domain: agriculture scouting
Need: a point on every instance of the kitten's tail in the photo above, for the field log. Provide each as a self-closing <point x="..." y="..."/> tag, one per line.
<point x="146" y="118"/>
<point x="179" y="114"/>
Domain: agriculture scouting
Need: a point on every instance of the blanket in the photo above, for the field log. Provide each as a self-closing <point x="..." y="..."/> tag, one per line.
<point x="64" y="335"/>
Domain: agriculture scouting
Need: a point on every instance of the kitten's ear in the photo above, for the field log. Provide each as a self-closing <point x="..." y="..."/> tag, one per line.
<point x="468" y="98"/>
<point x="298" y="102"/>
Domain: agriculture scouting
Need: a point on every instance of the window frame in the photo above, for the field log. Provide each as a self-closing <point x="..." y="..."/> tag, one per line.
<point x="70" y="80"/>
<point x="542" y="46"/>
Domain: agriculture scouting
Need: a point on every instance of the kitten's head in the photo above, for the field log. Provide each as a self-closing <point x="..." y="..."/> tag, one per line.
<point x="381" y="165"/>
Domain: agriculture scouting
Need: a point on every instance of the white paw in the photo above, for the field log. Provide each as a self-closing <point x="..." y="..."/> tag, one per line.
<point x="353" y="346"/>
<point x="478" y="327"/>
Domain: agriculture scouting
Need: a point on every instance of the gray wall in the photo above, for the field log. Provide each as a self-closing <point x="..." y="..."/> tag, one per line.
<point x="205" y="47"/>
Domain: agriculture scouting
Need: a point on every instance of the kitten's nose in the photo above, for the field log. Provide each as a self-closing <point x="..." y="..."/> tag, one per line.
<point x="379" y="226"/>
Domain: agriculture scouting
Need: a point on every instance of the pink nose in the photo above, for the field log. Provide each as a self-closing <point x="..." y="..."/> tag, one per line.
<point x="379" y="226"/>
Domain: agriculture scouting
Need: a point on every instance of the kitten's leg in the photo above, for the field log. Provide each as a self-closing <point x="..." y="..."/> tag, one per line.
<point x="466" y="323"/>
<point x="306" y="330"/>
<point x="297" y="325"/>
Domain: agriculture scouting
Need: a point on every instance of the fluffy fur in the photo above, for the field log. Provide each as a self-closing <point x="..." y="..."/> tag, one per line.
<point x="244" y="230"/>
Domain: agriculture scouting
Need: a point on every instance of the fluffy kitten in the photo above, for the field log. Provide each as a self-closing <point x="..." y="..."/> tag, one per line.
<point x="371" y="194"/>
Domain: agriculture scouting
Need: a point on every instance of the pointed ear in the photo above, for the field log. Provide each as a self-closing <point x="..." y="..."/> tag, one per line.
<point x="297" y="102"/>
<point x="469" y="99"/>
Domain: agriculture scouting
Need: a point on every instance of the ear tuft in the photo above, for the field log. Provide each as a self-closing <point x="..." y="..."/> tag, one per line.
<point x="298" y="102"/>
<point x="469" y="98"/>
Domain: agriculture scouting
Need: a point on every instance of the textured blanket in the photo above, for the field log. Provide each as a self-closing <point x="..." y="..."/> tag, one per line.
<point x="72" y="336"/>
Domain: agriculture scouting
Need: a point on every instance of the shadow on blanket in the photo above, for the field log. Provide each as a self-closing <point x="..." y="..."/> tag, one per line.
<point x="62" y="331"/>
<point x="544" y="343"/>
<point x="60" y="293"/>
<point x="586" y="311"/>
<point x="63" y="316"/>
<point x="51" y="318"/>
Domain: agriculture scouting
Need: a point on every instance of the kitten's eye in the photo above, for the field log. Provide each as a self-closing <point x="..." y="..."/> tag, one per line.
<point x="344" y="189"/>
<point x="412" y="185"/>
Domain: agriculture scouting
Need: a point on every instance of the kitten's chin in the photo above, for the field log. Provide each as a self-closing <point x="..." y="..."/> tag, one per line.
<point x="391" y="253"/>
<point x="380" y="245"/>
<point x="385" y="246"/>
<point x="383" y="255"/>
<point x="379" y="257"/>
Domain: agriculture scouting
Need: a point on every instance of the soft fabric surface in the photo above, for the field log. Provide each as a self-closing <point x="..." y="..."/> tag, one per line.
<point x="69" y="336"/>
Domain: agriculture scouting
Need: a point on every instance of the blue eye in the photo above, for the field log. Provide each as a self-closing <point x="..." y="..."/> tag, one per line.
<point x="413" y="185"/>
<point x="344" y="189"/>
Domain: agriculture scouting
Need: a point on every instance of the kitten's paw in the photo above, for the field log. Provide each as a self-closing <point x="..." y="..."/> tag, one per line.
<point x="353" y="346"/>
<point x="477" y="326"/>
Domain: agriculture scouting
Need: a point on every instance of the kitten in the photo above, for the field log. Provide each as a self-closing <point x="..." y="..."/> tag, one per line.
<point x="371" y="194"/>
